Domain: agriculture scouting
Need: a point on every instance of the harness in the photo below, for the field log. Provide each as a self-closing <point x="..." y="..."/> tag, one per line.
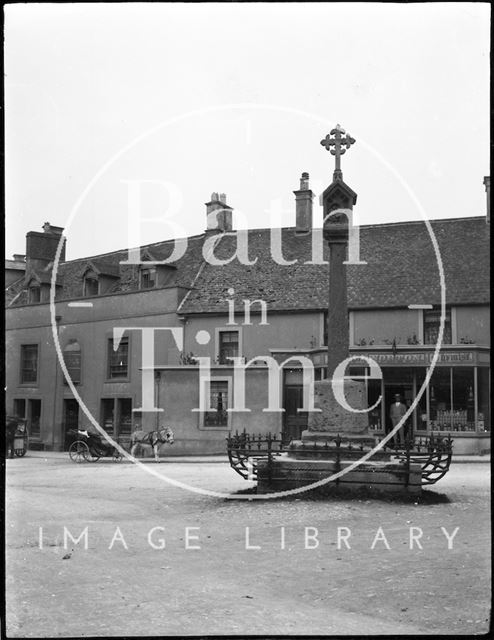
<point x="156" y="436"/>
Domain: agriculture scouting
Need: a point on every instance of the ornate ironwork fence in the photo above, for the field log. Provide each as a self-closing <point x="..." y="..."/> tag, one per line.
<point x="432" y="453"/>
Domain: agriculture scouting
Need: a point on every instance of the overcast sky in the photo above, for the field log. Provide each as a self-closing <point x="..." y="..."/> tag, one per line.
<point x="235" y="98"/>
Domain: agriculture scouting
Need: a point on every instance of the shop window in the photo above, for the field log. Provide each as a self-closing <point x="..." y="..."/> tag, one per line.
<point x="374" y="390"/>
<point x="452" y="399"/>
<point x="118" y="359"/>
<point x="463" y="405"/>
<point x="228" y="346"/>
<point x="484" y="399"/>
<point x="29" y="363"/>
<point x="34" y="418"/>
<point x="72" y="359"/>
<point x="440" y="399"/>
<point x="218" y="400"/>
<point x="432" y="322"/>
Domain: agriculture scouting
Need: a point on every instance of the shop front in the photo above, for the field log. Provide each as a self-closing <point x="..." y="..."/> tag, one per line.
<point x="456" y="400"/>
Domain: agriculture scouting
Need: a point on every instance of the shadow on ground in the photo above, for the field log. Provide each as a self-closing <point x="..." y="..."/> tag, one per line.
<point x="341" y="494"/>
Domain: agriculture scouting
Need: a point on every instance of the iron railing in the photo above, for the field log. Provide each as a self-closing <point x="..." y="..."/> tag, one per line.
<point x="432" y="453"/>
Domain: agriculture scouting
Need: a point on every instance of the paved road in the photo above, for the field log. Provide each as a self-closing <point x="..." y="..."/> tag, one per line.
<point x="301" y="586"/>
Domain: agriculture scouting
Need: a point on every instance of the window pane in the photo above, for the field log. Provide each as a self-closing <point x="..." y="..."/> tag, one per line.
<point x="440" y="399"/>
<point x="147" y="278"/>
<point x="484" y="395"/>
<point x="72" y="359"/>
<point x="432" y="320"/>
<point x="228" y="346"/>
<point x="90" y="287"/>
<point x="118" y="360"/>
<point x="463" y="417"/>
<point x="29" y="363"/>
<point x="218" y="395"/>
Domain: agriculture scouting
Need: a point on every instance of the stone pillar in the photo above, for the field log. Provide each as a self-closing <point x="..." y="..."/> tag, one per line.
<point x="334" y="418"/>
<point x="338" y="305"/>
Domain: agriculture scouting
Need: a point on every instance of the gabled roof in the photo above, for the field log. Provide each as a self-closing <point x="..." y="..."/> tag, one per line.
<point x="128" y="274"/>
<point x="102" y="267"/>
<point x="401" y="269"/>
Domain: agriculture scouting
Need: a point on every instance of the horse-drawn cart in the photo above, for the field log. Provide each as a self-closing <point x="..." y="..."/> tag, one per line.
<point x="89" y="447"/>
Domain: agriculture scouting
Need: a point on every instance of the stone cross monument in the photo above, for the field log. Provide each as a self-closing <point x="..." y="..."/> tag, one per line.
<point x="334" y="418"/>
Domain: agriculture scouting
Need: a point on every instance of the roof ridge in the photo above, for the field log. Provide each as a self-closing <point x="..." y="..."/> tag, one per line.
<point x="126" y="249"/>
<point x="261" y="229"/>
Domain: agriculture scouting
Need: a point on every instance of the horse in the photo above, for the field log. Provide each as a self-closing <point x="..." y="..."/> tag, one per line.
<point x="152" y="438"/>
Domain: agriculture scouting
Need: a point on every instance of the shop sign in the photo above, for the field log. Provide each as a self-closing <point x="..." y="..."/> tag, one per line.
<point x="422" y="358"/>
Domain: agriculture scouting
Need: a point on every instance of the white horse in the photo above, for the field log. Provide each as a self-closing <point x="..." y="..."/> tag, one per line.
<point x="151" y="438"/>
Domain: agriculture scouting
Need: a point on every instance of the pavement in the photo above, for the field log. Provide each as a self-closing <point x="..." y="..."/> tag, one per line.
<point x="485" y="458"/>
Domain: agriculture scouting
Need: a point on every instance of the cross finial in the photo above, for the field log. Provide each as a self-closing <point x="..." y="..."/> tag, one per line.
<point x="341" y="143"/>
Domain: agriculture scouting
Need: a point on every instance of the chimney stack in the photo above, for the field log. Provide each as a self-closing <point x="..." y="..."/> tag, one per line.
<point x="42" y="247"/>
<point x="219" y="214"/>
<point x="487" y="183"/>
<point x="303" y="206"/>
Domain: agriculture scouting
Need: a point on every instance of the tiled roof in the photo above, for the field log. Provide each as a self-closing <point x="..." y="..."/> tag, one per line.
<point x="70" y="273"/>
<point x="401" y="269"/>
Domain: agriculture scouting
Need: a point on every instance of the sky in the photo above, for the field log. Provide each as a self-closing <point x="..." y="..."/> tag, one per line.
<point x="175" y="101"/>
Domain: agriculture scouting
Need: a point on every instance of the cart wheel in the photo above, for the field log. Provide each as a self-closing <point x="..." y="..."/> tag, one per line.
<point x="79" y="451"/>
<point x="92" y="456"/>
<point x="117" y="456"/>
<point x="20" y="452"/>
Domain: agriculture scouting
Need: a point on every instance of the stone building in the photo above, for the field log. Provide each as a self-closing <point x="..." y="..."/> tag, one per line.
<point x="394" y="317"/>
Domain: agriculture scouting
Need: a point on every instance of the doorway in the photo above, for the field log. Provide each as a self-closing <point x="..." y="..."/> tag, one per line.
<point x="70" y="420"/>
<point x="294" y="421"/>
<point x="405" y="389"/>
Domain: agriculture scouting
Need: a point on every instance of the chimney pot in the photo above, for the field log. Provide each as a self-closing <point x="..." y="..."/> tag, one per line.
<point x="303" y="205"/>
<point x="219" y="214"/>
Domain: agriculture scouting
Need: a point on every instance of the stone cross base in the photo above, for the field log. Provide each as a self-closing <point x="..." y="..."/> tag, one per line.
<point x="369" y="478"/>
<point x="333" y="418"/>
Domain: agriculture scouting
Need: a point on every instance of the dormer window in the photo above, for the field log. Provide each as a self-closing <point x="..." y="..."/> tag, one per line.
<point x="91" y="284"/>
<point x="34" y="293"/>
<point x="148" y="278"/>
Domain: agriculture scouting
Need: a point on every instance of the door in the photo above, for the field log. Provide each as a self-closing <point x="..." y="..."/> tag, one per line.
<point x="70" y="420"/>
<point x="406" y="392"/>
<point x="294" y="421"/>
